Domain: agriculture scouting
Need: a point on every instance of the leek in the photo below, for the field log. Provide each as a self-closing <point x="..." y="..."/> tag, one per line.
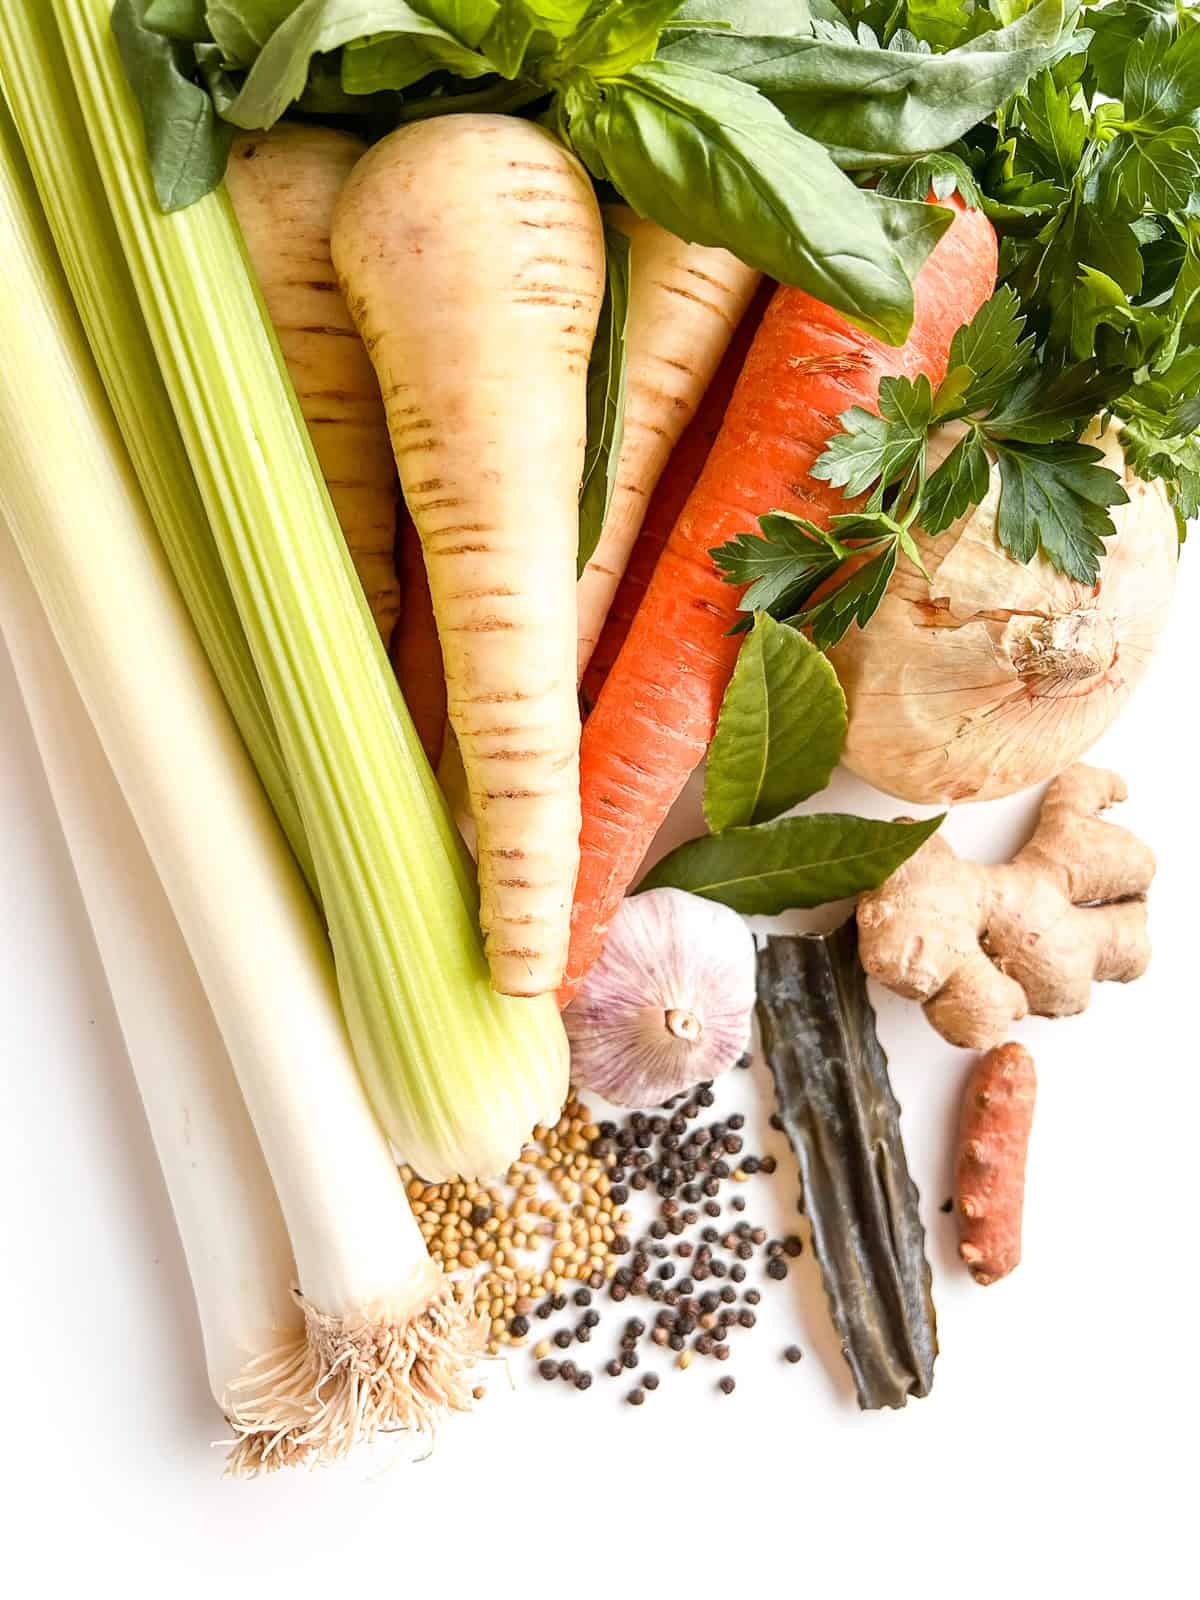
<point x="387" y="1340"/>
<point x="91" y="254"/>
<point x="232" y="1230"/>
<point x="458" y="1074"/>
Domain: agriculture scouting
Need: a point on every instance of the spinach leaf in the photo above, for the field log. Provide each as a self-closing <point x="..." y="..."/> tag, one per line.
<point x="794" y="862"/>
<point x="871" y="106"/>
<point x="712" y="161"/>
<point x="280" y="72"/>
<point x="780" y="732"/>
<point x="186" y="143"/>
<point x="605" y="398"/>
<point x="180" y="19"/>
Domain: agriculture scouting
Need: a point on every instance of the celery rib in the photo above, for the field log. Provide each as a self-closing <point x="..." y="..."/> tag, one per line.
<point x="458" y="1074"/>
<point x="31" y="59"/>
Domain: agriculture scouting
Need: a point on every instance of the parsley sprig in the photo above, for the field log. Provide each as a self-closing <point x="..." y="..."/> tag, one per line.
<point x="1010" y="409"/>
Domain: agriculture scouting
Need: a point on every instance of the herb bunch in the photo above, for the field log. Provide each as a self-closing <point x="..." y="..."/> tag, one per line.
<point x="1091" y="176"/>
<point x="727" y="121"/>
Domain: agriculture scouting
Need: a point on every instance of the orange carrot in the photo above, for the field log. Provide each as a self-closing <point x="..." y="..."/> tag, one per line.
<point x="656" y="714"/>
<point x="671" y="495"/>
<point x="416" y="650"/>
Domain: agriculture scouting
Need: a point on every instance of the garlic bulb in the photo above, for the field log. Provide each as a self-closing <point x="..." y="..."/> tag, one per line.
<point x="999" y="675"/>
<point x="668" y="1003"/>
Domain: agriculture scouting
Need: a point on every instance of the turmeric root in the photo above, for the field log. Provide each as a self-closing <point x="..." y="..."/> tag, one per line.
<point x="989" y="1175"/>
<point x="983" y="946"/>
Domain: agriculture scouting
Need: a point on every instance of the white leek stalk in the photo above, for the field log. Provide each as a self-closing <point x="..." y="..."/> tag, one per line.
<point x="458" y="1074"/>
<point x="230" y="1224"/>
<point x="387" y="1339"/>
<point x="91" y="255"/>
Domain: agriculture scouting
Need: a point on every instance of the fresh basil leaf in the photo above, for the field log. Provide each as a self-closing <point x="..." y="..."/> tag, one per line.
<point x="223" y="85"/>
<point x="187" y="145"/>
<point x="913" y="227"/>
<point x="605" y="398"/>
<point x="280" y="72"/>
<point x="784" y="566"/>
<point x="619" y="36"/>
<point x="394" y="61"/>
<point x="179" y="19"/>
<point x="749" y="16"/>
<point x="960" y="482"/>
<point x="508" y="39"/>
<point x="467" y="20"/>
<point x="870" y="106"/>
<point x="1057" y="496"/>
<point x="780" y="731"/>
<point x="854" y="601"/>
<point x="713" y="162"/>
<point x="795" y="862"/>
<point x="242" y="27"/>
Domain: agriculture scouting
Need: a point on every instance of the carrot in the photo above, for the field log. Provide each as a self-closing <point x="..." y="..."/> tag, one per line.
<point x="670" y="496"/>
<point x="416" y="650"/>
<point x="472" y="255"/>
<point x="685" y="303"/>
<point x="657" y="712"/>
<point x="283" y="185"/>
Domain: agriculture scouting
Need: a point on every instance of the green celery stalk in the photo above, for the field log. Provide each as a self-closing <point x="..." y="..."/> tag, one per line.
<point x="69" y="188"/>
<point x="458" y="1074"/>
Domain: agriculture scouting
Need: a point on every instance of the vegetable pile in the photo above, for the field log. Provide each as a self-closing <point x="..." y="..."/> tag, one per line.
<point x="568" y="393"/>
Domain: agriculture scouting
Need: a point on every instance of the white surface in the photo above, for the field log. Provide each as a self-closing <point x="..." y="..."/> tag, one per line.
<point x="1056" y="1453"/>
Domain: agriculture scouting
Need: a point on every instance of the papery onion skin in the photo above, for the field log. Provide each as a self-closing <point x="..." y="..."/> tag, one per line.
<point x="668" y="1003"/>
<point x="998" y="675"/>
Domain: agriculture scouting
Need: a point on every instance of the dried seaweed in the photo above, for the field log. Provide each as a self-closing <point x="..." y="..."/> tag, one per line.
<point x="843" y="1121"/>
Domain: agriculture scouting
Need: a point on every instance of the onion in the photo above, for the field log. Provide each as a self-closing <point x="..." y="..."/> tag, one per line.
<point x="998" y="675"/>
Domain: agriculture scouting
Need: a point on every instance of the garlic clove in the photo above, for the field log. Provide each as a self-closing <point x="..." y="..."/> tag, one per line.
<point x="669" y="1002"/>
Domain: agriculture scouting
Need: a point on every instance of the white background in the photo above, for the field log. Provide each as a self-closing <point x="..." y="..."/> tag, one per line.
<point x="1056" y="1454"/>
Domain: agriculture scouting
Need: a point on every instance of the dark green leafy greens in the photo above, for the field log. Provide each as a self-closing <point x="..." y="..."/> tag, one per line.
<point x="790" y="863"/>
<point x="656" y="96"/>
<point x="841" y="1118"/>
<point x="605" y="398"/>
<point x="780" y="732"/>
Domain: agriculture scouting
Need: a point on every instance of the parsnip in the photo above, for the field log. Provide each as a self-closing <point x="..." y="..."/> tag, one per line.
<point x="685" y="300"/>
<point x="283" y="185"/>
<point x="470" y="250"/>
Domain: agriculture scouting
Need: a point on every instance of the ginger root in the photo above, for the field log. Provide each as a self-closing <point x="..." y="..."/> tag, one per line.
<point x="983" y="946"/>
<point x="989" y="1175"/>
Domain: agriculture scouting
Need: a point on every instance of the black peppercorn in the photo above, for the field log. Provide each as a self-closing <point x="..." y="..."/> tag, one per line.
<point x="562" y="1338"/>
<point x="751" y="1164"/>
<point x="650" y="1381"/>
<point x="636" y="1397"/>
<point x="569" y="1371"/>
<point x="777" y="1268"/>
<point x="792" y="1246"/>
<point x="768" y="1165"/>
<point x="613" y="1368"/>
<point x="548" y="1369"/>
<point x="752" y="1297"/>
<point x="584" y="1381"/>
<point x="519" y="1327"/>
<point x="793" y="1353"/>
<point x="727" y="1385"/>
<point x="583" y="1297"/>
<point x="629" y="1359"/>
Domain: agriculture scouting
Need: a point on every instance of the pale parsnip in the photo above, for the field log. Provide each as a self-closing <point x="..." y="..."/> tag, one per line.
<point x="471" y="253"/>
<point x="232" y="1230"/>
<point x="283" y="185"/>
<point x="685" y="300"/>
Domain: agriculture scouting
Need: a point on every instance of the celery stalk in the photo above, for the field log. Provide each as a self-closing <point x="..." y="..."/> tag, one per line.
<point x="69" y="187"/>
<point x="386" y="1341"/>
<point x="458" y="1074"/>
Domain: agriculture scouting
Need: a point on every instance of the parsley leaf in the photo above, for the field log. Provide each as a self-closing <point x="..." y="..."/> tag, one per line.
<point x="883" y="447"/>
<point x="856" y="600"/>
<point x="791" y="560"/>
<point x="1056" y="496"/>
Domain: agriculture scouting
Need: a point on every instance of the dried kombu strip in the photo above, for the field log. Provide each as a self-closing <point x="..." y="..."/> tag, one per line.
<point x="842" y="1119"/>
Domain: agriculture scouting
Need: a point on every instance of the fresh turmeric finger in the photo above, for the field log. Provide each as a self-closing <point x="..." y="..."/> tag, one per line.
<point x="997" y="1116"/>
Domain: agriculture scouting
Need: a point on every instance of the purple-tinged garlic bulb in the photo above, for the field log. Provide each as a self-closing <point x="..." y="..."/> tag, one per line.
<point x="668" y="1004"/>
